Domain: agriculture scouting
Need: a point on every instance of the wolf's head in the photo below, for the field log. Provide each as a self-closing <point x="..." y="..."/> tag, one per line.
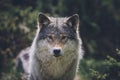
<point x="57" y="34"/>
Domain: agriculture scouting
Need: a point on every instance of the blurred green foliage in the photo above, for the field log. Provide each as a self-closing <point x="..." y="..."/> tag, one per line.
<point x="12" y="75"/>
<point x="108" y="69"/>
<point x="99" y="29"/>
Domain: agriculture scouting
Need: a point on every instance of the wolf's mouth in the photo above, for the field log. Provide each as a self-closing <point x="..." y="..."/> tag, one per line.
<point x="57" y="55"/>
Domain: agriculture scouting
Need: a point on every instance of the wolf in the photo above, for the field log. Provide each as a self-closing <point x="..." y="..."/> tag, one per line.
<point x="56" y="49"/>
<point x="21" y="63"/>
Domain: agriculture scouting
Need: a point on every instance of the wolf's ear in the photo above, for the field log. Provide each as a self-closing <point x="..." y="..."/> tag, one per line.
<point x="43" y="19"/>
<point x="73" y="21"/>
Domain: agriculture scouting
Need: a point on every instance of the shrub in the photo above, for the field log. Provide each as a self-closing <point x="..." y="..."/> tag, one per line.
<point x="108" y="69"/>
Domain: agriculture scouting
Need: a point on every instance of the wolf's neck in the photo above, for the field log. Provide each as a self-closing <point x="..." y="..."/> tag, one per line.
<point x="56" y="68"/>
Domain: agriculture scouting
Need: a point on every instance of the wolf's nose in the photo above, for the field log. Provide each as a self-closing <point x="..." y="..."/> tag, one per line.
<point x="56" y="52"/>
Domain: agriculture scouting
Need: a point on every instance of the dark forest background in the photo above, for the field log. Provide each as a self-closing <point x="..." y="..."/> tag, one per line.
<point x="99" y="30"/>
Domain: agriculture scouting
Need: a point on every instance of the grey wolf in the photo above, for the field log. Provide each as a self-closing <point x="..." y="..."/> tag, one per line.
<point x="56" y="49"/>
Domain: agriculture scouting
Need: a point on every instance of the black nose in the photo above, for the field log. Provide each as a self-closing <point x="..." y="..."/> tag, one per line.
<point x="56" y="52"/>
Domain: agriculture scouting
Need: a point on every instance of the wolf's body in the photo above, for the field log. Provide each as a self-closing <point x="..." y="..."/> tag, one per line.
<point x="56" y="49"/>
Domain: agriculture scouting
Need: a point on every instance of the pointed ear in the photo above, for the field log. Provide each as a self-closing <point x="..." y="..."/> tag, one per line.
<point x="43" y="19"/>
<point x="73" y="21"/>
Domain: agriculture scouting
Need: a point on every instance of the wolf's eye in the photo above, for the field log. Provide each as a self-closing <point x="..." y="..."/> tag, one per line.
<point x="50" y="37"/>
<point x="64" y="38"/>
